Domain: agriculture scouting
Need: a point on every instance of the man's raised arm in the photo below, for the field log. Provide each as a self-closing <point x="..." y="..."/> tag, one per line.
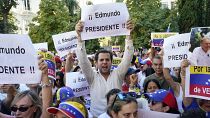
<point x="84" y="63"/>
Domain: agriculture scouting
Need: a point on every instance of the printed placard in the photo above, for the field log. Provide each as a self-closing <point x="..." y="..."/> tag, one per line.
<point x="176" y="48"/>
<point x="116" y="61"/>
<point x="65" y="42"/>
<point x="40" y="46"/>
<point x="19" y="64"/>
<point x="158" y="38"/>
<point x="77" y="82"/>
<point x="49" y="59"/>
<point x="116" y="48"/>
<point x="104" y="20"/>
<point x="197" y="82"/>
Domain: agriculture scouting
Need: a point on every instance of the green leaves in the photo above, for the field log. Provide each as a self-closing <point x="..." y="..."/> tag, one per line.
<point x="148" y="17"/>
<point x="53" y="18"/>
<point x="6" y="19"/>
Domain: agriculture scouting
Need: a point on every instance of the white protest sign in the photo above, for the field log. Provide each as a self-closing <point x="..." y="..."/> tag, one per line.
<point x="154" y="114"/>
<point x="77" y="82"/>
<point x="176" y="48"/>
<point x="19" y="64"/>
<point x="104" y="20"/>
<point x="65" y="42"/>
<point x="39" y="46"/>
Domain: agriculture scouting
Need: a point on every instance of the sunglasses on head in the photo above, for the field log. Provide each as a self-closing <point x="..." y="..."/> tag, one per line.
<point x="21" y="108"/>
<point x="124" y="96"/>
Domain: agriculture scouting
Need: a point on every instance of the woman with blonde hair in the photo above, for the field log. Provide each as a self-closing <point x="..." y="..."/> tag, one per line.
<point x="27" y="104"/>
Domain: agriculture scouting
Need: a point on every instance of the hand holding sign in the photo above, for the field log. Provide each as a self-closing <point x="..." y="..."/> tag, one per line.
<point x="69" y="62"/>
<point x="42" y="66"/>
<point x="78" y="28"/>
<point x="130" y="25"/>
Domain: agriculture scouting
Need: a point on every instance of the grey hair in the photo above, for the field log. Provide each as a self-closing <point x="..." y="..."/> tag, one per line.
<point x="36" y="101"/>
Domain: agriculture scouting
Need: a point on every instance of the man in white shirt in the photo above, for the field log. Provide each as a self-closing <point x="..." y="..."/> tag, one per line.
<point x="201" y="55"/>
<point x="103" y="79"/>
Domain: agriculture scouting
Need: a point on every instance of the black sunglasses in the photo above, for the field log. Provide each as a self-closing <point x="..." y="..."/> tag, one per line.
<point x="124" y="96"/>
<point x="21" y="108"/>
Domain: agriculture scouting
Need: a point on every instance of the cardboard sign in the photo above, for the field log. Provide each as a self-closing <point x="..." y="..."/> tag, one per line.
<point x="40" y="46"/>
<point x="19" y="62"/>
<point x="65" y="42"/>
<point x="197" y="82"/>
<point x="116" y="48"/>
<point x="49" y="59"/>
<point x="176" y="49"/>
<point x="104" y="20"/>
<point x="78" y="83"/>
<point x="116" y="61"/>
<point x="158" y="38"/>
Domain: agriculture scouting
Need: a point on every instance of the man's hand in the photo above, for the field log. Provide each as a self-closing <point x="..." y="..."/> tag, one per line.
<point x="133" y="79"/>
<point x="79" y="27"/>
<point x="184" y="64"/>
<point x="130" y="25"/>
<point x="43" y="66"/>
<point x="69" y="62"/>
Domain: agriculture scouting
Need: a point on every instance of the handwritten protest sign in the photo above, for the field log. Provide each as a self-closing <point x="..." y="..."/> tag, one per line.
<point x="116" y="48"/>
<point x="158" y="38"/>
<point x="19" y="62"/>
<point x="197" y="82"/>
<point x="49" y="59"/>
<point x="104" y="20"/>
<point x="40" y="46"/>
<point x="65" y="42"/>
<point x="116" y="61"/>
<point x="176" y="48"/>
<point x="78" y="83"/>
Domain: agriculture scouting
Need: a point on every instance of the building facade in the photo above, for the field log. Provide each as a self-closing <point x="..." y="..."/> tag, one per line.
<point x="24" y="12"/>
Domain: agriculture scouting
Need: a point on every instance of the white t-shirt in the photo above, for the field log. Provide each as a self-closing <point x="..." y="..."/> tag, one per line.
<point x="199" y="57"/>
<point x="104" y="115"/>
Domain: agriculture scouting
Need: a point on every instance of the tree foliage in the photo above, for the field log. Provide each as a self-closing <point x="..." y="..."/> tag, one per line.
<point x="6" y="19"/>
<point x="193" y="13"/>
<point x="148" y="17"/>
<point x="56" y="17"/>
<point x="53" y="18"/>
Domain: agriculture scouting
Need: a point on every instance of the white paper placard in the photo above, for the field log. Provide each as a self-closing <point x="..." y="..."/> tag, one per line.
<point x="176" y="48"/>
<point x="77" y="82"/>
<point x="19" y="64"/>
<point x="104" y="20"/>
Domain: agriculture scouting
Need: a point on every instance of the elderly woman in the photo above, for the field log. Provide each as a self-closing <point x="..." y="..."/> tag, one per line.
<point x="27" y="104"/>
<point x="124" y="106"/>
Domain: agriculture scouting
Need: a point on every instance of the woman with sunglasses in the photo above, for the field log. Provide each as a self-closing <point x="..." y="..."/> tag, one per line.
<point x="27" y="104"/>
<point x="124" y="106"/>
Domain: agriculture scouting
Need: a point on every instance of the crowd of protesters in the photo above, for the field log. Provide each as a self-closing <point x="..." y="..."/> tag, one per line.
<point x="139" y="82"/>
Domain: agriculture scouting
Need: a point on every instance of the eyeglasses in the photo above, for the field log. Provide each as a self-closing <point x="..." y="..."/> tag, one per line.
<point x="21" y="108"/>
<point x="124" y="96"/>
